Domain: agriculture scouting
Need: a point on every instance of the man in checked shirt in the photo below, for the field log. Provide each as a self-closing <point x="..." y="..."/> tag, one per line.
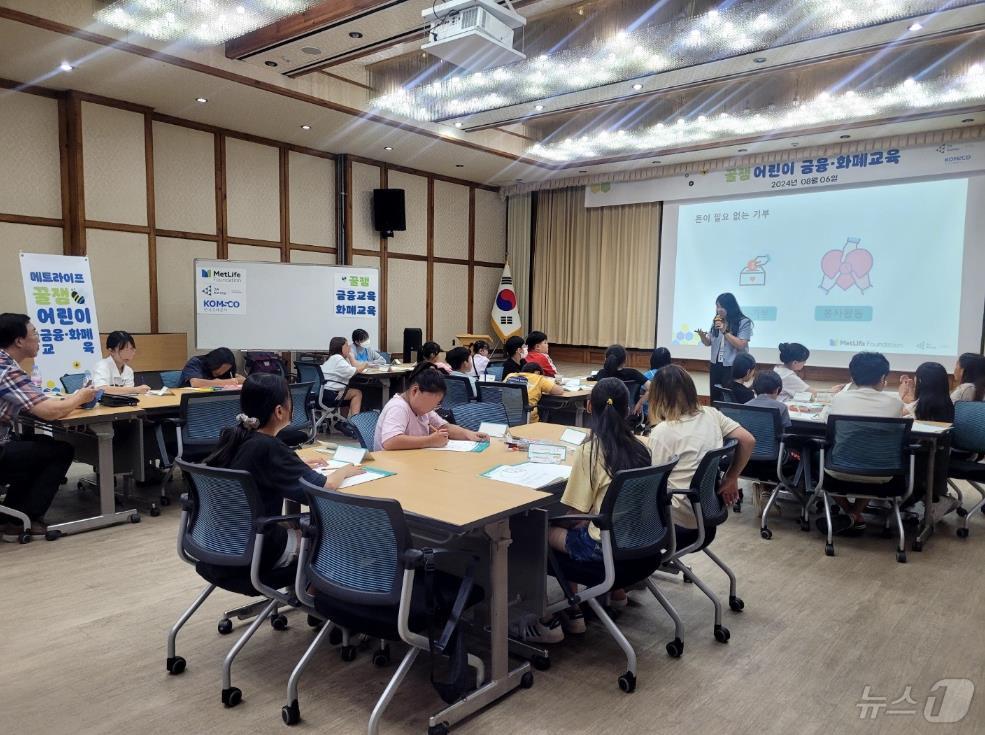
<point x="32" y="468"/>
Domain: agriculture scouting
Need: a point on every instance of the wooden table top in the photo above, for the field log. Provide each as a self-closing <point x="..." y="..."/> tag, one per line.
<point x="446" y="487"/>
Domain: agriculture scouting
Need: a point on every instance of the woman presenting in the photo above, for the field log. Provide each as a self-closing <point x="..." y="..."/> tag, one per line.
<point x="729" y="336"/>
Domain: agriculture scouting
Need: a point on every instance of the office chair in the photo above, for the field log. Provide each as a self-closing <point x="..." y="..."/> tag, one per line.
<point x="72" y="382"/>
<point x="471" y="415"/>
<point x="328" y="406"/>
<point x="301" y="430"/>
<point x="457" y="391"/>
<point x="171" y="378"/>
<point x="968" y="450"/>
<point x="512" y="396"/>
<point x="365" y="427"/>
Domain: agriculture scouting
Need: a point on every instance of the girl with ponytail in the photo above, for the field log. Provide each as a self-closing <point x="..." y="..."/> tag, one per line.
<point x="252" y="445"/>
<point x="615" y="367"/>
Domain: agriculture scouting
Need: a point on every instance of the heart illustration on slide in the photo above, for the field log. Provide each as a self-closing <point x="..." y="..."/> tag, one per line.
<point x="846" y="267"/>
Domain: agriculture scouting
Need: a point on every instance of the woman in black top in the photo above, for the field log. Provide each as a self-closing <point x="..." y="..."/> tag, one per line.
<point x="513" y="350"/>
<point x="615" y="367"/>
<point x="252" y="445"/>
<point x="742" y="368"/>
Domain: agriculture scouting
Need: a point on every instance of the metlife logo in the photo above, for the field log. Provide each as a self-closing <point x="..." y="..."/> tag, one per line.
<point x="217" y="275"/>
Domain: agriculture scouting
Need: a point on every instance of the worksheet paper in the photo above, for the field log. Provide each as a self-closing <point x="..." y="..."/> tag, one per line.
<point x="459" y="445"/>
<point x="571" y="436"/>
<point x="529" y="474"/>
<point x="368" y="475"/>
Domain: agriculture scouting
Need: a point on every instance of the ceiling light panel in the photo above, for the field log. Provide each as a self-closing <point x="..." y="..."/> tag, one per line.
<point x="205" y="22"/>
<point x="715" y="35"/>
<point x="906" y="97"/>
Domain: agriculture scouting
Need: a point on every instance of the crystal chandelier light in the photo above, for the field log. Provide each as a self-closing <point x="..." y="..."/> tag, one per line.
<point x="631" y="55"/>
<point x="200" y="21"/>
<point x="907" y="97"/>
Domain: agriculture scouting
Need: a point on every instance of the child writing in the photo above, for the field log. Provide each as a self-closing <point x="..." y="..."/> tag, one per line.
<point x="794" y="356"/>
<point x="409" y="421"/>
<point x="113" y="373"/>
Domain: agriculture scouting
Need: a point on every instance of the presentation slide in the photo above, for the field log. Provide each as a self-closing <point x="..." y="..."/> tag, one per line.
<point x="897" y="269"/>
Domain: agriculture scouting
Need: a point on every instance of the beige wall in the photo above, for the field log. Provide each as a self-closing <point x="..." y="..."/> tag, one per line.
<point x="129" y="253"/>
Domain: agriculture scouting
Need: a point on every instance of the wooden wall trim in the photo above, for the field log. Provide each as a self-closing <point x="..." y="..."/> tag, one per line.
<point x="92" y="224"/>
<point x="430" y="283"/>
<point x="248" y="137"/>
<point x="222" y="244"/>
<point x="184" y="235"/>
<point x="420" y="172"/>
<point x="27" y="219"/>
<point x="383" y="270"/>
<point x="312" y="248"/>
<point x="151" y="222"/>
<point x="76" y="182"/>
<point x="350" y="250"/>
<point x="30" y="89"/>
<point x="98" y="99"/>
<point x="64" y="175"/>
<point x="284" y="185"/>
<point x="255" y="243"/>
<point x="471" y="259"/>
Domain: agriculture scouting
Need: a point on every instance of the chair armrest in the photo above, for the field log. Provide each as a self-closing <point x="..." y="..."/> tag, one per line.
<point x="918" y="448"/>
<point x="603" y="522"/>
<point x="186" y="503"/>
<point x="691" y="495"/>
<point x="415" y="558"/>
<point x="173" y="420"/>
<point x="308" y="529"/>
<point x="263" y="522"/>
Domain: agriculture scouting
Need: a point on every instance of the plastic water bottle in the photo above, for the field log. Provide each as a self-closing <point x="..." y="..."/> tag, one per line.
<point x="36" y="376"/>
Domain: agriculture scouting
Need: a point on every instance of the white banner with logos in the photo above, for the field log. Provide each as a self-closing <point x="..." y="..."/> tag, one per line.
<point x="796" y="174"/>
<point x="61" y="303"/>
<point x="220" y="290"/>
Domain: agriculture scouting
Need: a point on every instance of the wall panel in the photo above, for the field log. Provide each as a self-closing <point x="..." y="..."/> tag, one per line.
<point x="310" y="256"/>
<point x="490" y="227"/>
<point x="114" y="166"/>
<point x="176" y="295"/>
<point x="451" y="302"/>
<point x="15" y="239"/>
<point x="253" y="253"/>
<point x="253" y="198"/>
<point x="120" y="279"/>
<point x="29" y="149"/>
<point x="406" y="299"/>
<point x="365" y="178"/>
<point x="451" y="220"/>
<point x="486" y="283"/>
<point x="312" y="199"/>
<point x="415" y="239"/>
<point x="184" y="179"/>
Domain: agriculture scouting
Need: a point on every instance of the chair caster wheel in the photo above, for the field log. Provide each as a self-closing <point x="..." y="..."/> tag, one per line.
<point x="901" y="557"/>
<point x="675" y="648"/>
<point x="627" y="682"/>
<point x="962" y="533"/>
<point x="225" y="626"/>
<point x="279" y="622"/>
<point x="291" y="713"/>
<point x="917" y="545"/>
<point x="805" y="525"/>
<point x="527" y="680"/>
<point x="381" y="657"/>
<point x="24" y="537"/>
<point x="314" y="622"/>
<point x="541" y="663"/>
<point x="829" y="550"/>
<point x="335" y="636"/>
<point x="135" y="518"/>
<point x="722" y="634"/>
<point x="440" y="729"/>
<point x="232" y="696"/>
<point x="766" y="533"/>
<point x="687" y="580"/>
<point x="736" y="604"/>
<point x="52" y="535"/>
<point x="176" y="665"/>
<point x="962" y="512"/>
<point x="154" y="510"/>
<point x="737" y="508"/>
<point x="165" y="500"/>
<point x="348" y="653"/>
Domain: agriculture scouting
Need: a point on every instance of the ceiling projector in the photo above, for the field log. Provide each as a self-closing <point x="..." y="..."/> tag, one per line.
<point x="473" y="34"/>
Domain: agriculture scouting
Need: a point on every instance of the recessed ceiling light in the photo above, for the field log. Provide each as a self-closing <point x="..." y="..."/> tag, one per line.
<point x="743" y="150"/>
<point x="458" y="125"/>
<point x="760" y="59"/>
<point x="583" y="170"/>
<point x="538" y="107"/>
<point x="240" y="9"/>
<point x="459" y="165"/>
<point x="968" y="120"/>
<point x="845" y="137"/>
<point x="519" y="180"/>
<point x="388" y="147"/>
<point x="355" y="34"/>
<point x="270" y="63"/>
<point x="65" y="66"/>
<point x="311" y="51"/>
<point x="654" y="161"/>
<point x="201" y="100"/>
<point x="915" y="27"/>
<point x="637" y="86"/>
<point x="794" y="145"/>
<point x="306" y="127"/>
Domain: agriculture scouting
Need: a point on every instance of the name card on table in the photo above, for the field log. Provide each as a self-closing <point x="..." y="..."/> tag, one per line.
<point x="571" y="436"/>
<point x="351" y="455"/>
<point x="497" y="431"/>
<point x="546" y="453"/>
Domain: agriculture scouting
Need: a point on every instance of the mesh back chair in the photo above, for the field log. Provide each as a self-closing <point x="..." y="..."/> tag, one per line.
<point x="495" y="370"/>
<point x="357" y="569"/>
<point x="637" y="537"/>
<point x="768" y="457"/>
<point x="968" y="445"/>
<point x="301" y="430"/>
<point x="71" y="382"/>
<point x="326" y="404"/>
<point x="201" y="420"/>
<point x="171" y="378"/>
<point x="720" y="393"/>
<point x="365" y="426"/>
<point x="221" y="534"/>
<point x="150" y="378"/>
<point x="867" y="447"/>
<point x="710" y="511"/>
<point x="471" y="415"/>
<point x="385" y="356"/>
<point x="513" y="397"/>
<point x="457" y="391"/>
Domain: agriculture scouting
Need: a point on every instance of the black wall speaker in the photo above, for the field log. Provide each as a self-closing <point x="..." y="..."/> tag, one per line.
<point x="388" y="211"/>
